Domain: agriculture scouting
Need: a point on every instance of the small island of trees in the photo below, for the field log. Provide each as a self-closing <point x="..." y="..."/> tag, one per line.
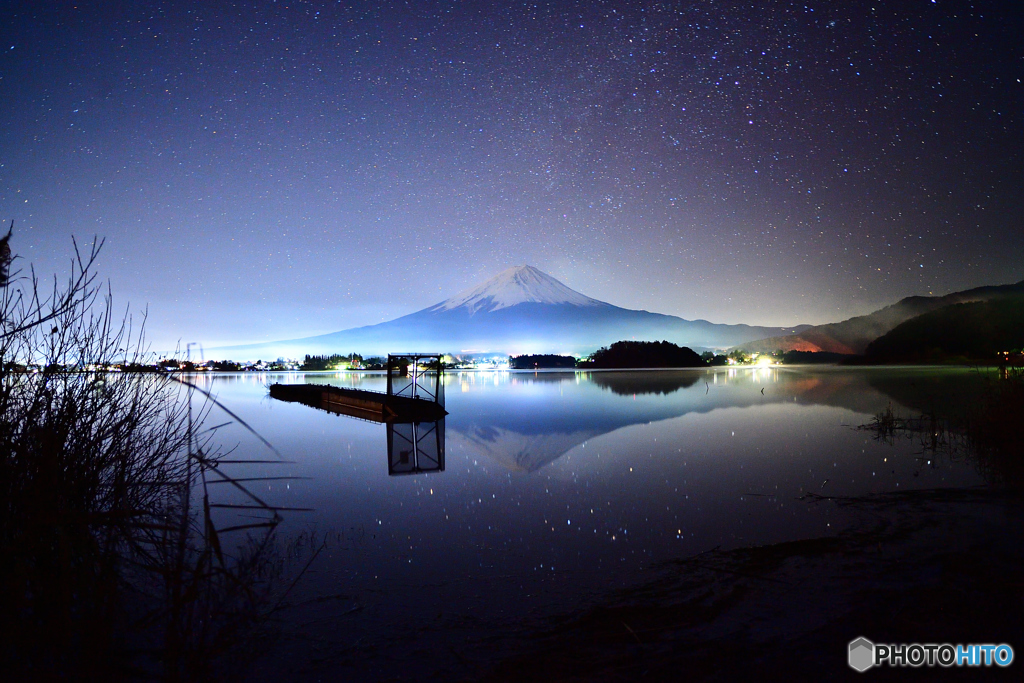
<point x="640" y="354"/>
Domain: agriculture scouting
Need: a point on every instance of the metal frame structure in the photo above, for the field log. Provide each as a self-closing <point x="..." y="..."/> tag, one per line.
<point x="415" y="447"/>
<point x="416" y="388"/>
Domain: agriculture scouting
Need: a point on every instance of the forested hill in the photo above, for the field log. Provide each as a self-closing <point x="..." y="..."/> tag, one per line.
<point x="853" y="335"/>
<point x="973" y="331"/>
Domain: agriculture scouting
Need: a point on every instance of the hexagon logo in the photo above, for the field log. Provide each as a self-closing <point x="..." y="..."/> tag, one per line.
<point x="862" y="654"/>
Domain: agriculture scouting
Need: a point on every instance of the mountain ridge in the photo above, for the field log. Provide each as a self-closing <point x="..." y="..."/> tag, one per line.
<point x="853" y="335"/>
<point x="519" y="310"/>
<point x="976" y="330"/>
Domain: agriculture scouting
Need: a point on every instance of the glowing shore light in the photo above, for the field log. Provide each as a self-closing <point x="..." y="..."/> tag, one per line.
<point x="764" y="360"/>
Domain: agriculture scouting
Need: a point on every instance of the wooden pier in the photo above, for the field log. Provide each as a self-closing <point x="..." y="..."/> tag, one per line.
<point x="415" y="392"/>
<point x="367" y="405"/>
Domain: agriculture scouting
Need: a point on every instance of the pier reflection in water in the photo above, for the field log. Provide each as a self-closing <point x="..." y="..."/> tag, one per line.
<point x="559" y="487"/>
<point x="415" y="447"/>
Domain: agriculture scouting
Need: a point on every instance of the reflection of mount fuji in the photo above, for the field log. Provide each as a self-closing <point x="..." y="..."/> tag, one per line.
<point x="541" y="429"/>
<point x="527" y="452"/>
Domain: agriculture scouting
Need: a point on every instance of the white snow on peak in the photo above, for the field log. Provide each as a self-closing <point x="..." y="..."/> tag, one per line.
<point x="517" y="285"/>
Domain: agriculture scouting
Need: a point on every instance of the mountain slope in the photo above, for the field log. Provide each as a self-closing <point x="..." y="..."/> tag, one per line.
<point x="520" y="310"/>
<point x="976" y="331"/>
<point x="853" y="335"/>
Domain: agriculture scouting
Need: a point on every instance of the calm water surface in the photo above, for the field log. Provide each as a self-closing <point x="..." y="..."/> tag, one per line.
<point x="557" y="488"/>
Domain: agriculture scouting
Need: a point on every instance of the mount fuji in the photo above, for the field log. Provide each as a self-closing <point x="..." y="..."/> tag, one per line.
<point x="519" y="310"/>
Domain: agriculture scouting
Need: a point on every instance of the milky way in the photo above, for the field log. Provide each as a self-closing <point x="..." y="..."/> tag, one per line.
<point x="272" y="170"/>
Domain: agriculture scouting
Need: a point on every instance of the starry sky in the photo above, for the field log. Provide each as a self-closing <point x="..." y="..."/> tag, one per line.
<point x="271" y="170"/>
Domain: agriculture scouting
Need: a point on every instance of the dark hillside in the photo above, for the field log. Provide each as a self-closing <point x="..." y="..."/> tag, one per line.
<point x="974" y="331"/>
<point x="852" y="336"/>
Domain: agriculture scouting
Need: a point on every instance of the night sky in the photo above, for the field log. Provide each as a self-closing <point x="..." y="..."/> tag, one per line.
<point x="272" y="170"/>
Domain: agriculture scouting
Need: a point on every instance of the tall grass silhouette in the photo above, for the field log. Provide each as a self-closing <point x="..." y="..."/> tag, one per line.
<point x="115" y="559"/>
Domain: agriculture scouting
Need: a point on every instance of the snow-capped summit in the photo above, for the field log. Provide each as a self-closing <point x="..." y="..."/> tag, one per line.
<point x="519" y="310"/>
<point x="517" y="285"/>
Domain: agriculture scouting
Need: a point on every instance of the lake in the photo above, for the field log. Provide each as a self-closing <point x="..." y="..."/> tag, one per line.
<point x="557" y="490"/>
